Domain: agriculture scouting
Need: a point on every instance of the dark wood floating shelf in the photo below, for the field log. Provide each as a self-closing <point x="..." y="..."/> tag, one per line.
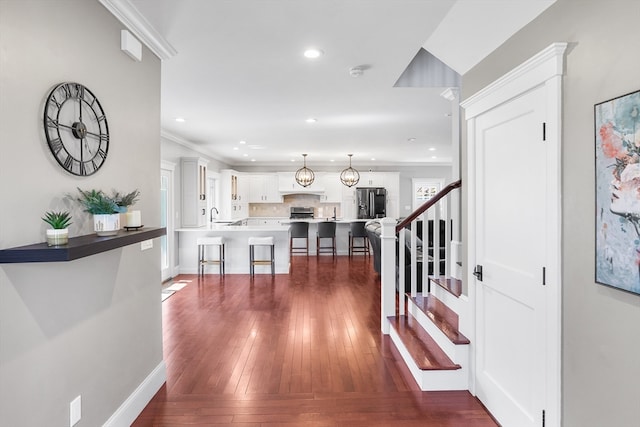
<point x="78" y="247"/>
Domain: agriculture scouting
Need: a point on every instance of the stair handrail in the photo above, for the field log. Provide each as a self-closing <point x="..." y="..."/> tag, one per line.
<point x="426" y="205"/>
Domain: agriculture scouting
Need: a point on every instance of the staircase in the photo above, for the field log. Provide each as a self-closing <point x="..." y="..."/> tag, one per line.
<point x="427" y="326"/>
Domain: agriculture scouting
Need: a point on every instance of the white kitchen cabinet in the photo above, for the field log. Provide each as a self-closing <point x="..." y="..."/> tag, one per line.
<point x="371" y="179"/>
<point x="332" y="187"/>
<point x="263" y="188"/>
<point x="194" y="191"/>
<point x="287" y="184"/>
<point x="233" y="195"/>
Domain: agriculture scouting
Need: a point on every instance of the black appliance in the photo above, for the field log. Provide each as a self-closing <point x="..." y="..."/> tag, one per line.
<point x="300" y="213"/>
<point x="372" y="202"/>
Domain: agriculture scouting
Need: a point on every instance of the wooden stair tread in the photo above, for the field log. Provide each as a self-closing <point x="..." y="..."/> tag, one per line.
<point x="442" y="316"/>
<point x="450" y="284"/>
<point x="423" y="349"/>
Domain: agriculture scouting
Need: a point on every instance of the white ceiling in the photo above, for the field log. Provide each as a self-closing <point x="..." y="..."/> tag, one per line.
<point x="239" y="75"/>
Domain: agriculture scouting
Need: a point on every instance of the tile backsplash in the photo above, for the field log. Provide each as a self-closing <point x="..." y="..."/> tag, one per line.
<point x="320" y="210"/>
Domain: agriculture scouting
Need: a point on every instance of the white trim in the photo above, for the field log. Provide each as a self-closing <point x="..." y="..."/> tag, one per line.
<point x="190" y="145"/>
<point x="541" y="67"/>
<point x="142" y="395"/>
<point x="546" y="68"/>
<point x="169" y="166"/>
<point x="127" y="13"/>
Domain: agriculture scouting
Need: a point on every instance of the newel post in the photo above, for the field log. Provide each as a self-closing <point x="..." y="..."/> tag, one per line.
<point x="387" y="271"/>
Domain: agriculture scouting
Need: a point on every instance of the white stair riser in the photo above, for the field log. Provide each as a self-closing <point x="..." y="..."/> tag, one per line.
<point x="432" y="380"/>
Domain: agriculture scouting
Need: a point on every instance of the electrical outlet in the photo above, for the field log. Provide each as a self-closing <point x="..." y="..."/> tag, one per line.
<point x="75" y="411"/>
<point x="147" y="244"/>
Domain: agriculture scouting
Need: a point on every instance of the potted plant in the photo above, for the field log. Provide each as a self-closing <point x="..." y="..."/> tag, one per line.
<point x="58" y="234"/>
<point x="131" y="218"/>
<point x="105" y="211"/>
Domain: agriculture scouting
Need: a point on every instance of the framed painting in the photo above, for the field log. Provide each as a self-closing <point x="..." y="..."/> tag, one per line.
<point x="424" y="189"/>
<point x="617" y="143"/>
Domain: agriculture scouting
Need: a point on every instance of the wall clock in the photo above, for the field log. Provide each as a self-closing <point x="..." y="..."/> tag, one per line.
<point x="76" y="129"/>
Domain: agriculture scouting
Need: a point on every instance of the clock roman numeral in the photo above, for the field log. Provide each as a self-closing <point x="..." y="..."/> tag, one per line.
<point x="52" y="123"/>
<point x="56" y="145"/>
<point x="94" y="165"/>
<point x="102" y="153"/>
<point x="101" y="118"/>
<point x="68" y="163"/>
<point x="66" y="90"/>
<point x="104" y="138"/>
<point x="79" y="89"/>
<point x="83" y="170"/>
<point x="55" y="101"/>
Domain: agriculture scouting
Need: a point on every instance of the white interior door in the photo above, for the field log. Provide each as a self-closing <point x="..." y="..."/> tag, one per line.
<point x="511" y="206"/>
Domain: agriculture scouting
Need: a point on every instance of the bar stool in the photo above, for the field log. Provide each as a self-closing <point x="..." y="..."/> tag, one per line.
<point x="261" y="241"/>
<point x="357" y="231"/>
<point x="326" y="230"/>
<point x="299" y="230"/>
<point x="202" y="243"/>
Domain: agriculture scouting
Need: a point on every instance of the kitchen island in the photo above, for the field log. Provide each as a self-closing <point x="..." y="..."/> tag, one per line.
<point x="236" y="247"/>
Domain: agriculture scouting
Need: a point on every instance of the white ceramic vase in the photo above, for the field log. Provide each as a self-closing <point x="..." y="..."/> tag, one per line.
<point x="57" y="237"/>
<point x="107" y="224"/>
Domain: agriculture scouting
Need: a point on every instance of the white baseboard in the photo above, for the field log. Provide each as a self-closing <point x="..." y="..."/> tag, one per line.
<point x="126" y="414"/>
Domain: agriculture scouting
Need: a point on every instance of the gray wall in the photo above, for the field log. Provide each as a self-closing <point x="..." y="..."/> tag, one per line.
<point x="601" y="338"/>
<point x="89" y="327"/>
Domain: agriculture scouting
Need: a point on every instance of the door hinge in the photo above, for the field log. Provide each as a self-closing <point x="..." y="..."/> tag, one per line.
<point x="544" y="276"/>
<point x="544" y="131"/>
<point x="543" y="420"/>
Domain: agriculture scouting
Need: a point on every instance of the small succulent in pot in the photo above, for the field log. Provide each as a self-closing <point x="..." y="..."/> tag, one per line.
<point x="97" y="203"/>
<point x="58" y="220"/>
<point x="58" y="234"/>
<point x="125" y="200"/>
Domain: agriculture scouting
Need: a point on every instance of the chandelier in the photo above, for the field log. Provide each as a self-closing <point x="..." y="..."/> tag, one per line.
<point x="304" y="175"/>
<point x="350" y="176"/>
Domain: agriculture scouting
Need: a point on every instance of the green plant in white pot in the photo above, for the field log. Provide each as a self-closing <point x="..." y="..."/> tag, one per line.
<point x="58" y="234"/>
<point x="124" y="201"/>
<point x="105" y="211"/>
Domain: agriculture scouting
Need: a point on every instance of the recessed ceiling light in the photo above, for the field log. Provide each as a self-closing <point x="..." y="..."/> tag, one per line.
<point x="180" y="119"/>
<point x="253" y="160"/>
<point x="332" y="160"/>
<point x="235" y="148"/>
<point x="313" y="53"/>
<point x="434" y="157"/>
<point x="373" y="158"/>
<point x="311" y="120"/>
<point x="245" y="155"/>
<point x="411" y="140"/>
<point x="242" y="142"/>
<point x="432" y="149"/>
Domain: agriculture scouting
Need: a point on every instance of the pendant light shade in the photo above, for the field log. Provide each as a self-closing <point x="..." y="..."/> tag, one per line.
<point x="350" y="176"/>
<point x="304" y="175"/>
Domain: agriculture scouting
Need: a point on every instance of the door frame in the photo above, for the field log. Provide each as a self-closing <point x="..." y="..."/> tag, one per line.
<point x="171" y="213"/>
<point x="543" y="69"/>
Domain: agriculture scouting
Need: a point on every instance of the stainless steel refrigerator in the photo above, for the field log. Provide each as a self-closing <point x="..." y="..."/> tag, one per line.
<point x="372" y="202"/>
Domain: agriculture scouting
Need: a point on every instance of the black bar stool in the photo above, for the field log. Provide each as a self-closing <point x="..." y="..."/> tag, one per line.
<point x="326" y="230"/>
<point x="299" y="230"/>
<point x="357" y="231"/>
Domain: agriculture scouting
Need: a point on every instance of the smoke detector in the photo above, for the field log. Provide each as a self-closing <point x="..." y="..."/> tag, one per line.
<point x="356" y="71"/>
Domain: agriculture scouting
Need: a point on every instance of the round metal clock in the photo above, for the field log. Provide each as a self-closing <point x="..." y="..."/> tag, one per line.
<point x="76" y="129"/>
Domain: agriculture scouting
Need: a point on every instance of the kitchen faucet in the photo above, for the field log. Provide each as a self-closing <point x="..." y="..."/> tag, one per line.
<point x="211" y="213"/>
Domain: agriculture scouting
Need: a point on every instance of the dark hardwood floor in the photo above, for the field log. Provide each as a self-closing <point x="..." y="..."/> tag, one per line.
<point x="303" y="349"/>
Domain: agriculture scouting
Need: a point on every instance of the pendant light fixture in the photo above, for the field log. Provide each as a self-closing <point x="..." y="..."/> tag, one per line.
<point x="304" y="175"/>
<point x="350" y="176"/>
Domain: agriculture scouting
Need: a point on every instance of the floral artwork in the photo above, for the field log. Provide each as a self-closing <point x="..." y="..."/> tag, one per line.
<point x="617" y="132"/>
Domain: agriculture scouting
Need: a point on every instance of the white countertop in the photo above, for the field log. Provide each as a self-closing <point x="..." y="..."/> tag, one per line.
<point x="236" y="228"/>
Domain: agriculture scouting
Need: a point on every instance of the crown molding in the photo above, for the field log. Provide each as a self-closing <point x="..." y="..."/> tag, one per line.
<point x="190" y="145"/>
<point x="135" y="22"/>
